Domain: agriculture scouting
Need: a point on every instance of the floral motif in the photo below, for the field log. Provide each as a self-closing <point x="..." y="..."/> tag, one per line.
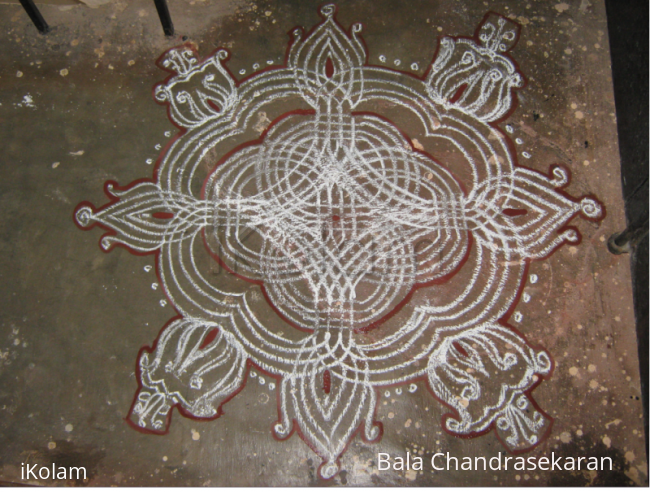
<point x="332" y="223"/>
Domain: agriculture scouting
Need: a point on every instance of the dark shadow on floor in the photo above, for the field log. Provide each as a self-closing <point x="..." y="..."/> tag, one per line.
<point x="628" y="37"/>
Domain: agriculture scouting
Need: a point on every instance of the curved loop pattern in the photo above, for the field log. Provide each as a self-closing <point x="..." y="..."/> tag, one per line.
<point x="331" y="223"/>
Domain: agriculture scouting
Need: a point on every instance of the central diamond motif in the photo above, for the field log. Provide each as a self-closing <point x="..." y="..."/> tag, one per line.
<point x="342" y="218"/>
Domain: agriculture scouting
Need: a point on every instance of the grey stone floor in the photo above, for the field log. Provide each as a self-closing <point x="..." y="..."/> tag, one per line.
<point x="77" y="110"/>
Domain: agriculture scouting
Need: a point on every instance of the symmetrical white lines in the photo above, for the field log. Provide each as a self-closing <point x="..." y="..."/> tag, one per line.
<point x="330" y="224"/>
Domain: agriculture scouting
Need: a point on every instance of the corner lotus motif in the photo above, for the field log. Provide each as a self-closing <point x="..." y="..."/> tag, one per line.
<point x="358" y="262"/>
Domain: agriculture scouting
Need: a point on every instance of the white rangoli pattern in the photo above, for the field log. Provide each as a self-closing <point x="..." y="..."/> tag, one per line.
<point x="391" y="266"/>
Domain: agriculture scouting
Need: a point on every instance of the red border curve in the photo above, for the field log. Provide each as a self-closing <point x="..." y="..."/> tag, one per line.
<point x="250" y="364"/>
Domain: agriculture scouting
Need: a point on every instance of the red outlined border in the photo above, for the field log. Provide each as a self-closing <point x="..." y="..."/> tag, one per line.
<point x="503" y="320"/>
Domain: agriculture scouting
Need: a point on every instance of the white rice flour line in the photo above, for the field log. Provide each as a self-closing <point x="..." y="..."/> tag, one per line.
<point x="340" y="222"/>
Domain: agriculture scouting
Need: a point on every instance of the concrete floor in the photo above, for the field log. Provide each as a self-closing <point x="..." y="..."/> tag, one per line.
<point x="77" y="110"/>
